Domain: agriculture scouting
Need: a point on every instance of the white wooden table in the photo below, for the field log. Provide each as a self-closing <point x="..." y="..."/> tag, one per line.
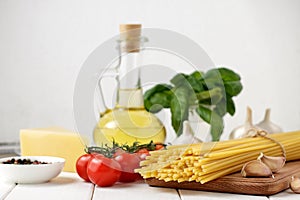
<point x="70" y="186"/>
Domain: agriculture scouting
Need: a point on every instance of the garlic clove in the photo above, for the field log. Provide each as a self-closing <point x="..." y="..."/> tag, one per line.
<point x="267" y="125"/>
<point x="256" y="168"/>
<point x="274" y="163"/>
<point x="295" y="185"/>
<point x="187" y="136"/>
<point x="242" y="130"/>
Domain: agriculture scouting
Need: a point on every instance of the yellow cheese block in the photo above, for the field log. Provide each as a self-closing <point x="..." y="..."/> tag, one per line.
<point x="53" y="141"/>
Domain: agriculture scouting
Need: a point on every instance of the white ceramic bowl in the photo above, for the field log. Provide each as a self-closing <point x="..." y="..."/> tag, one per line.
<point x="29" y="173"/>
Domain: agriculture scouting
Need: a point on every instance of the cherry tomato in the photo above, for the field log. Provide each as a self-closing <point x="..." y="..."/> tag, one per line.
<point x="128" y="162"/>
<point x="159" y="146"/>
<point x="143" y="153"/>
<point x="81" y="166"/>
<point x="119" y="152"/>
<point x="103" y="171"/>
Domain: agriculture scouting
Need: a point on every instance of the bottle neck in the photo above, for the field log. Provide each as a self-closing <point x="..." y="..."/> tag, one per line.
<point x="129" y="71"/>
<point x="130" y="94"/>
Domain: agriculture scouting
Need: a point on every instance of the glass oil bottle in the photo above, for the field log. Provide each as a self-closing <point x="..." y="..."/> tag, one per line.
<point x="128" y="121"/>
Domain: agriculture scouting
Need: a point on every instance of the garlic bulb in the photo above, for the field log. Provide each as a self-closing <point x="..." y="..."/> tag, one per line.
<point x="242" y="130"/>
<point x="267" y="125"/>
<point x="256" y="168"/>
<point x="295" y="185"/>
<point x="187" y="136"/>
<point x="275" y="163"/>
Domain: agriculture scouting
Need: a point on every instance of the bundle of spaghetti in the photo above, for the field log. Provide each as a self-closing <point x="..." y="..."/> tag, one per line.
<point x="204" y="162"/>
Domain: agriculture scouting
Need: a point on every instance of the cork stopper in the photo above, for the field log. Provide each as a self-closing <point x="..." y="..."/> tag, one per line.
<point x="131" y="30"/>
<point x="130" y="34"/>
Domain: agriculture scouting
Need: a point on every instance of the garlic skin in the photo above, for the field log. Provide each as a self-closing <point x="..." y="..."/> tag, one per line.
<point x="241" y="131"/>
<point x="256" y="168"/>
<point x="274" y="163"/>
<point x="295" y="185"/>
<point x="187" y="136"/>
<point x="267" y="125"/>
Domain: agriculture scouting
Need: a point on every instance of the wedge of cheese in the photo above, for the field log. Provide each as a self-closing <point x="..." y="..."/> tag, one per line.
<point x="54" y="141"/>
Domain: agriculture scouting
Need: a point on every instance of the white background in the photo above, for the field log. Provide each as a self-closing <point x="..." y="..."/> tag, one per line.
<point x="44" y="43"/>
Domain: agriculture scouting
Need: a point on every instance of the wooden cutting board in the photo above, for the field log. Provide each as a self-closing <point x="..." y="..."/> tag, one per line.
<point x="235" y="183"/>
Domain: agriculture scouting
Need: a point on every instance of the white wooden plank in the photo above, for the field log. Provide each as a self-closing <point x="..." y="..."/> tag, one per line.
<point x="202" y="195"/>
<point x="135" y="191"/>
<point x="5" y="189"/>
<point x="65" y="186"/>
<point x="285" y="195"/>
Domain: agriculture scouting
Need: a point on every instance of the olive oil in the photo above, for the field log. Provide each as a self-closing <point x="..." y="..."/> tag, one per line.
<point x="128" y="126"/>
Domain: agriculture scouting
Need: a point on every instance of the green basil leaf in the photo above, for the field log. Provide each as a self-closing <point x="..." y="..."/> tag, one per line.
<point x="155" y="89"/>
<point x="194" y="80"/>
<point x="212" y="82"/>
<point x="213" y="78"/>
<point x="228" y="75"/>
<point x="230" y="106"/>
<point x="195" y="84"/>
<point x="215" y="121"/>
<point x="217" y="126"/>
<point x="221" y="107"/>
<point x="147" y="104"/>
<point x="204" y="113"/>
<point x="197" y="75"/>
<point x="157" y="98"/>
<point x="179" y="107"/>
<point x="179" y="79"/>
<point x="233" y="88"/>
